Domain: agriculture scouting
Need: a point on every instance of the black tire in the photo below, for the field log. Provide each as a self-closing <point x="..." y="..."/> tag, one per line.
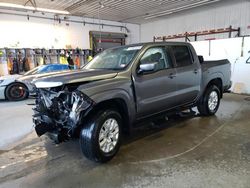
<point x="203" y="105"/>
<point x="89" y="136"/>
<point x="16" y="92"/>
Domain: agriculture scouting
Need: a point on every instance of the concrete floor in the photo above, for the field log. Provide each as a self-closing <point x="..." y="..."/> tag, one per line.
<point x="15" y="122"/>
<point x="184" y="152"/>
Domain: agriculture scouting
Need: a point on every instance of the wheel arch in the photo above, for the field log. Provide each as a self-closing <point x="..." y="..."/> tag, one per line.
<point x="217" y="82"/>
<point x="117" y="103"/>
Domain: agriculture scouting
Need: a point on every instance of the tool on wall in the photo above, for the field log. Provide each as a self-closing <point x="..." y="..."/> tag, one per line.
<point x="29" y="58"/>
<point x="21" y="60"/>
<point x="3" y="62"/>
<point x="12" y="61"/>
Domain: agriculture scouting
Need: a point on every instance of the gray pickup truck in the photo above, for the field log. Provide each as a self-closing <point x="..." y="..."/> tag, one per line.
<point x="122" y="86"/>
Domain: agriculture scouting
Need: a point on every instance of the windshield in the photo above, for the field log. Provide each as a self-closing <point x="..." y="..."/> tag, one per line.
<point x="114" y="59"/>
<point x="47" y="68"/>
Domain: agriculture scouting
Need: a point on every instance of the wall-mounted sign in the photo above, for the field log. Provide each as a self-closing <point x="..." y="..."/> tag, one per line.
<point x="248" y="60"/>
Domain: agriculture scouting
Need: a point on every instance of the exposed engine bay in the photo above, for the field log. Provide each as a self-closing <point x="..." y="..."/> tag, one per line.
<point x="60" y="113"/>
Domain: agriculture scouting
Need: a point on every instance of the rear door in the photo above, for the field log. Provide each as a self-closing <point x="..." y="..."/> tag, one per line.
<point x="155" y="91"/>
<point x="188" y="71"/>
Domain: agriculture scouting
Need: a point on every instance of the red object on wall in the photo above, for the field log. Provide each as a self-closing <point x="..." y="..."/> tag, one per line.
<point x="248" y="27"/>
<point x="199" y="33"/>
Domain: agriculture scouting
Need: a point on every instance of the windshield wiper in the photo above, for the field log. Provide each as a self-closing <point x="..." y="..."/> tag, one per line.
<point x="105" y="68"/>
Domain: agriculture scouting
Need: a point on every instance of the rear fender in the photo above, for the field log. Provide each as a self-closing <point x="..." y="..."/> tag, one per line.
<point x="211" y="77"/>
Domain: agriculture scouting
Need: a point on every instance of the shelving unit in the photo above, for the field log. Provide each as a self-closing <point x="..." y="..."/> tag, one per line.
<point x="230" y="30"/>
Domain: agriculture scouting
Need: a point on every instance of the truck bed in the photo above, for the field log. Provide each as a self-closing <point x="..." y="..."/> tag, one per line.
<point x="220" y="67"/>
<point x="208" y="64"/>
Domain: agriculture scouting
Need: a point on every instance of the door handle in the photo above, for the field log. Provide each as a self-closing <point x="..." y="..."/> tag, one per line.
<point x="171" y="75"/>
<point x="195" y="71"/>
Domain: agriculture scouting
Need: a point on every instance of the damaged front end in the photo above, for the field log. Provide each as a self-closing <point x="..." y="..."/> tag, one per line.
<point x="60" y="113"/>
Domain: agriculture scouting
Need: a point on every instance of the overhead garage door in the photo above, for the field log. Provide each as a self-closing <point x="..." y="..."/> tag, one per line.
<point x="100" y="41"/>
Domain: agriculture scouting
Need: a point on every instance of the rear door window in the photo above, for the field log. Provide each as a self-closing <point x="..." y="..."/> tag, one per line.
<point x="182" y="56"/>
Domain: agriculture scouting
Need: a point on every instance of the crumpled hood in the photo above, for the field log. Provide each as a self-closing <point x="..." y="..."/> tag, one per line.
<point x="76" y="76"/>
<point x="29" y="78"/>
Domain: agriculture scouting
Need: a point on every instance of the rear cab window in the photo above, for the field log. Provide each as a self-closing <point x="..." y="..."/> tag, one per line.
<point x="182" y="56"/>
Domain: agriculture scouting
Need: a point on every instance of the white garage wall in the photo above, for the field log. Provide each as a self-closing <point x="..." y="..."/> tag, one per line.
<point x="219" y="15"/>
<point x="18" y="31"/>
<point x="236" y="53"/>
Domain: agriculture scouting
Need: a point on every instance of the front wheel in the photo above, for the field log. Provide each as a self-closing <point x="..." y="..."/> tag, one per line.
<point x="100" y="138"/>
<point x="210" y="101"/>
<point x="16" y="92"/>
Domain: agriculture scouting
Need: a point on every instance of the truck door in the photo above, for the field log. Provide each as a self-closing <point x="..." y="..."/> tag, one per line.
<point x="155" y="91"/>
<point x="188" y="71"/>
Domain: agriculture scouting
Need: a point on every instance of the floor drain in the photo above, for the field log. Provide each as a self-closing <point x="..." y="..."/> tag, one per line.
<point x="247" y="99"/>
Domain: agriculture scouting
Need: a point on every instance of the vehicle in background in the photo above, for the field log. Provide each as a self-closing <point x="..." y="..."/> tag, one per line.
<point x="18" y="87"/>
<point x="122" y="86"/>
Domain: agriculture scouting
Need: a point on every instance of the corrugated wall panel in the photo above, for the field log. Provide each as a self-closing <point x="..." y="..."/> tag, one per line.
<point x="222" y="15"/>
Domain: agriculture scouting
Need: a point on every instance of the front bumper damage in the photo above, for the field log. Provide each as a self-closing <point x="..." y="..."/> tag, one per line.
<point x="60" y="114"/>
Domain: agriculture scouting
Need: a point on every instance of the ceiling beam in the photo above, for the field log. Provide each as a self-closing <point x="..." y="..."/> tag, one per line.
<point x="32" y="2"/>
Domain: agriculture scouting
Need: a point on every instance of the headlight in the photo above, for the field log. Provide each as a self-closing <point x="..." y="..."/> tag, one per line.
<point x="48" y="84"/>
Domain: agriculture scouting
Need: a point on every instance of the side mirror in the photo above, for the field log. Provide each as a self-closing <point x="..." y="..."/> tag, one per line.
<point x="147" y="68"/>
<point x="201" y="59"/>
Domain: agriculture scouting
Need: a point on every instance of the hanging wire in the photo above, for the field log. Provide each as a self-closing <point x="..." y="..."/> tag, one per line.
<point x="99" y="20"/>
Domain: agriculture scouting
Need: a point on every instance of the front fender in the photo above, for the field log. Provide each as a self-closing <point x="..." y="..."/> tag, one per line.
<point x="117" y="94"/>
<point x="8" y="81"/>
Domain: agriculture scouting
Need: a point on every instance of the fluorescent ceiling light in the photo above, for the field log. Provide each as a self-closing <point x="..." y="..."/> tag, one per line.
<point x="158" y="15"/>
<point x="16" y="6"/>
<point x="52" y="11"/>
<point x="10" y="5"/>
<point x="185" y="7"/>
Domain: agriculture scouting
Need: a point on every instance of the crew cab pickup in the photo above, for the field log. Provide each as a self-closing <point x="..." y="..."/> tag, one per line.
<point x="122" y="86"/>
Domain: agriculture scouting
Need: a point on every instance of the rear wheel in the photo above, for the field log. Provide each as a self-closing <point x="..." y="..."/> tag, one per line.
<point x="16" y="92"/>
<point x="210" y="101"/>
<point x="100" y="138"/>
